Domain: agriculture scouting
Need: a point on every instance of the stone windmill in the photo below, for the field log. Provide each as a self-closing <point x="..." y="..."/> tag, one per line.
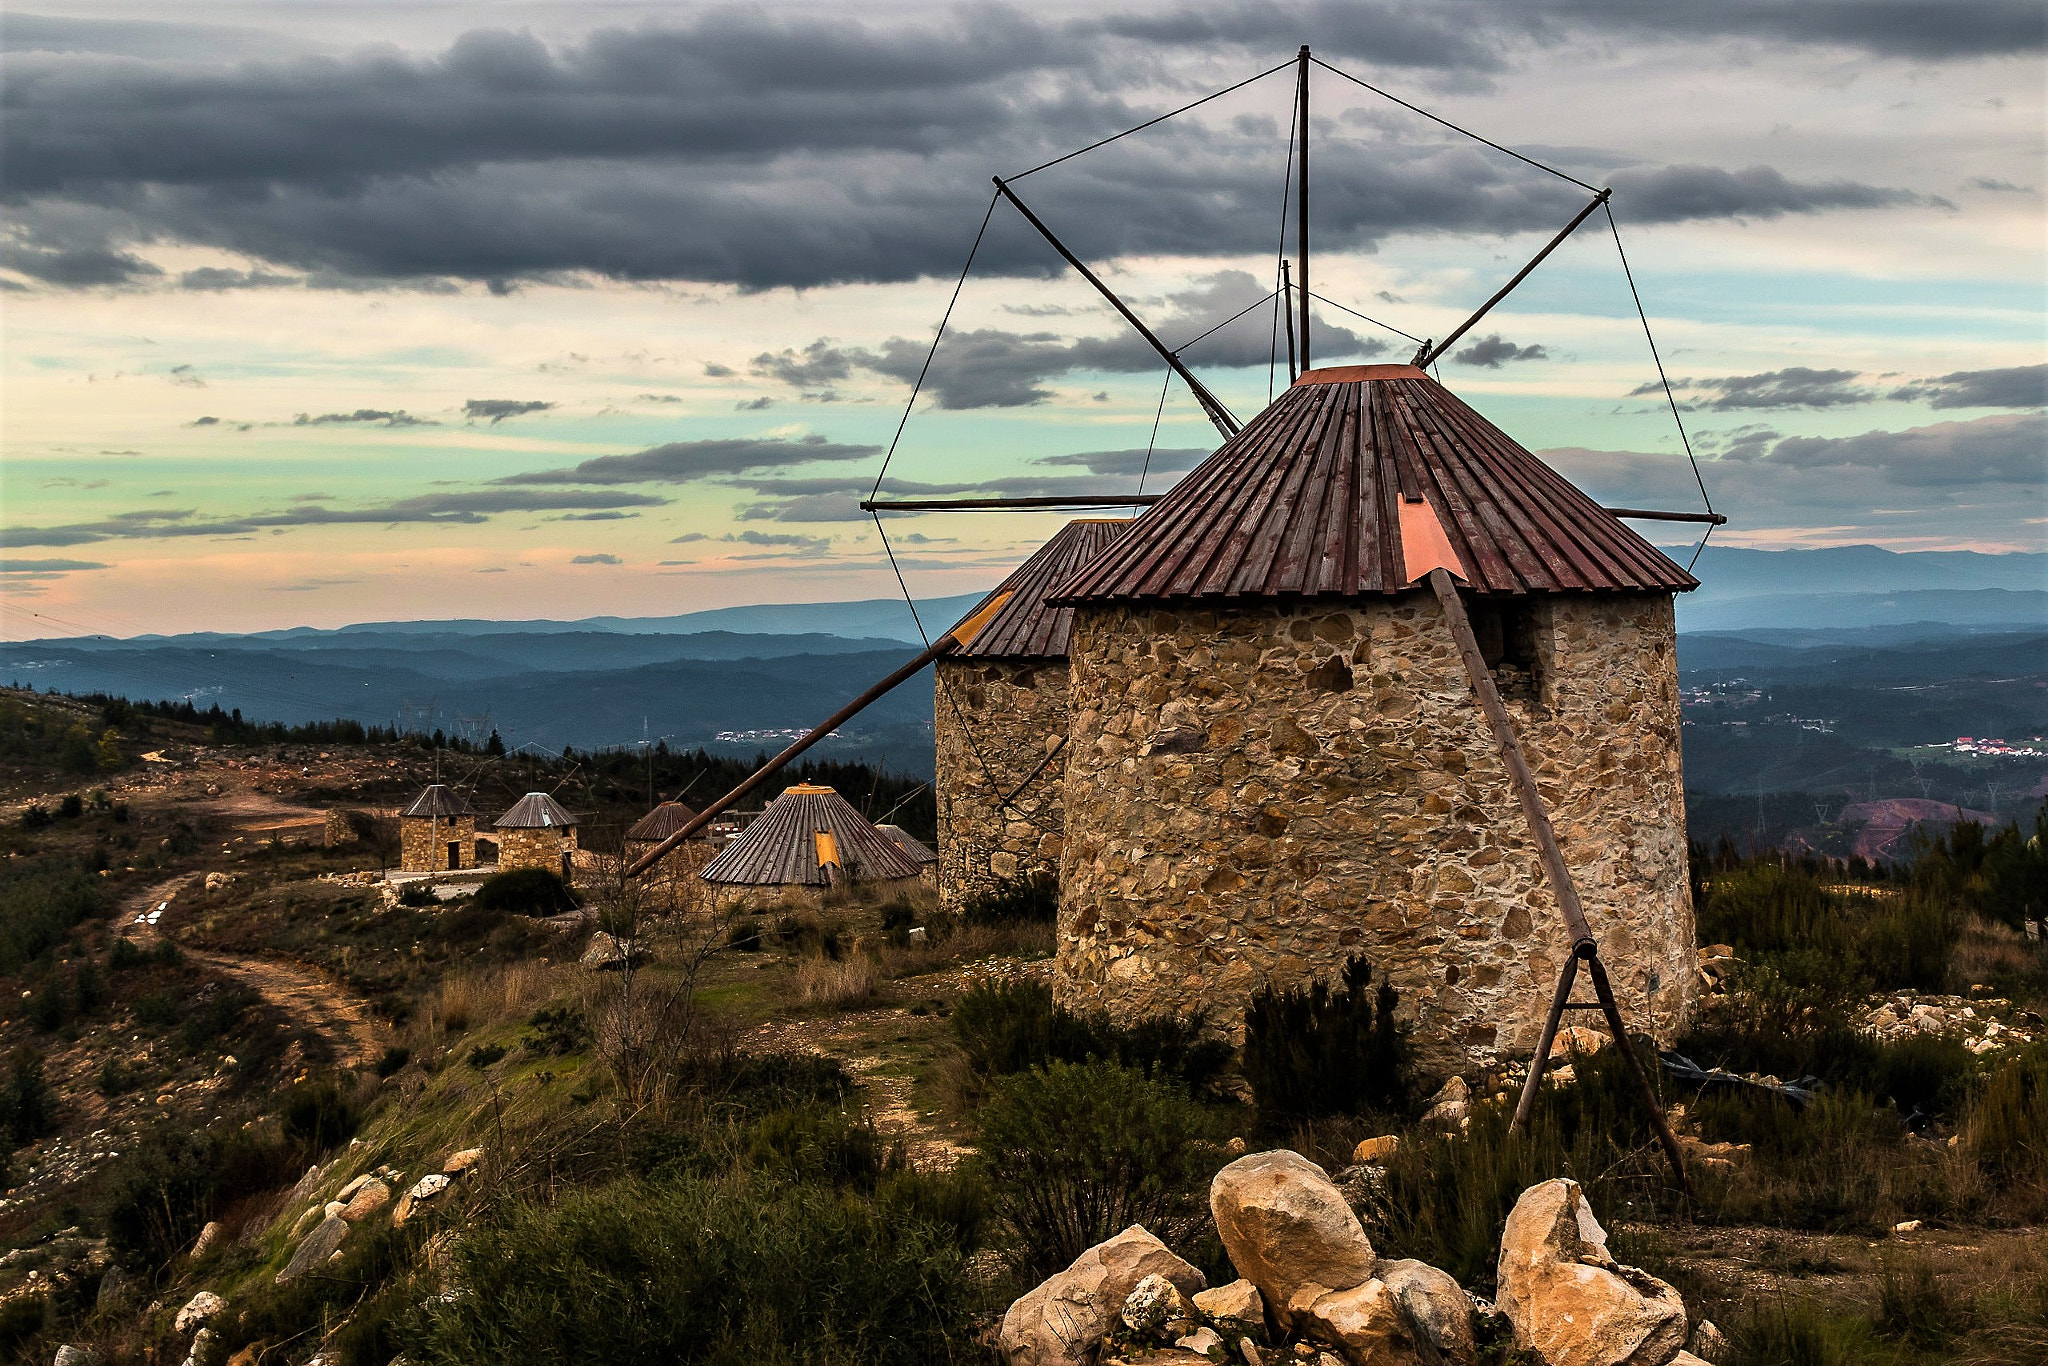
<point x="1000" y="720"/>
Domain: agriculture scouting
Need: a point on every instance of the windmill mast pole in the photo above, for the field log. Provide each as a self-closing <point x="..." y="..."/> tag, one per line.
<point x="1302" y="205"/>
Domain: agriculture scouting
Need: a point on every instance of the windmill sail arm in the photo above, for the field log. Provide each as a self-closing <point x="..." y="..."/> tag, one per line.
<point x="1212" y="406"/>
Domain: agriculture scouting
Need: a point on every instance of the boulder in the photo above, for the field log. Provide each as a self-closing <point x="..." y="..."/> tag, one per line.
<point x="1687" y="1359"/>
<point x="1375" y="1151"/>
<point x="1157" y="1310"/>
<point x="1064" y="1320"/>
<point x="67" y="1355"/>
<point x="1707" y="1341"/>
<point x="347" y="1193"/>
<point x="202" y="1347"/>
<point x="1438" y="1309"/>
<point x="208" y="1236"/>
<point x="333" y="1208"/>
<point x="608" y="954"/>
<point x="1238" y="1304"/>
<point x="322" y="1243"/>
<point x="422" y="1191"/>
<point x="369" y="1197"/>
<point x="1366" y="1321"/>
<point x="1569" y="1300"/>
<point x="1201" y="1342"/>
<point x="1450" y="1106"/>
<point x="115" y="1287"/>
<point x="197" y="1311"/>
<point x="459" y="1164"/>
<point x="1286" y="1225"/>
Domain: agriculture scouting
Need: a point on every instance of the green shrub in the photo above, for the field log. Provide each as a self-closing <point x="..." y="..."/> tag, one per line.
<point x="485" y="1055"/>
<point x="731" y="1270"/>
<point x="395" y="1058"/>
<point x="1077" y="1152"/>
<point x="2008" y="1124"/>
<point x="318" y="1114"/>
<point x="820" y="1145"/>
<point x="214" y="1013"/>
<point x="173" y="1178"/>
<point x="524" y="891"/>
<point x="1005" y="1026"/>
<point x="41" y="900"/>
<point x="159" y="1009"/>
<point x="557" y="1030"/>
<point x="116" y="1078"/>
<point x="1915" y="1306"/>
<point x="1034" y="899"/>
<point x="28" y="1107"/>
<point x="1316" y="1051"/>
<point x="418" y="895"/>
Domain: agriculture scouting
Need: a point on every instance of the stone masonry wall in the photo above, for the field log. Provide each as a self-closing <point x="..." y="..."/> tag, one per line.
<point x="1256" y="794"/>
<point x="423" y="843"/>
<point x="1011" y="714"/>
<point x="534" y="848"/>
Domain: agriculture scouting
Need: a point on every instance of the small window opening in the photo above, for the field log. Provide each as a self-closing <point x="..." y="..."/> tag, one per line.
<point x="1506" y="632"/>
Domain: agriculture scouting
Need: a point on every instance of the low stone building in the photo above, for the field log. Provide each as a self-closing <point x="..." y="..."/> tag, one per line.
<point x="809" y="837"/>
<point x="536" y="833"/>
<point x="1277" y="761"/>
<point x="657" y="825"/>
<point x="437" y="833"/>
<point x="1000" y="721"/>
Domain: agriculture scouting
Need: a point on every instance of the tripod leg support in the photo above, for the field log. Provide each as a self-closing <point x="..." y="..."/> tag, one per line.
<point x="1541" y="1062"/>
<point x="1644" y="1089"/>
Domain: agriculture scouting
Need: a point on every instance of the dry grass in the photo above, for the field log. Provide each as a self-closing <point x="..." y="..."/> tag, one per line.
<point x="1012" y="940"/>
<point x="841" y="984"/>
<point x="472" y="1000"/>
<point x="1995" y="955"/>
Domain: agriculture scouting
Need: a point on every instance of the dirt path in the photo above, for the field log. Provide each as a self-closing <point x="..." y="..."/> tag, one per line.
<point x="857" y="1039"/>
<point x="306" y="996"/>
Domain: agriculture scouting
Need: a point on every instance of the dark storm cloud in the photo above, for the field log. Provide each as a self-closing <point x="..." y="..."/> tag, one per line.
<point x="1796" y="386"/>
<point x="2017" y="386"/>
<point x="466" y="508"/>
<point x="215" y="278"/>
<point x="680" y="462"/>
<point x="838" y="500"/>
<point x="599" y="558"/>
<point x="364" y="417"/>
<point x="1920" y="30"/>
<point x="993" y="368"/>
<point x="1991" y="450"/>
<point x="1492" y="351"/>
<point x="795" y="151"/>
<point x="1675" y="193"/>
<point x="498" y="409"/>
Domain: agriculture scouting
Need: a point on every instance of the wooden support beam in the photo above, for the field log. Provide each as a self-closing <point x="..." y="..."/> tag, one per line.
<point x="1078" y="500"/>
<point x="1583" y="945"/>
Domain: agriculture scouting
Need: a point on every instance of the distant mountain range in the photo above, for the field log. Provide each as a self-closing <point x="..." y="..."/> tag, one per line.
<point x="1801" y="616"/>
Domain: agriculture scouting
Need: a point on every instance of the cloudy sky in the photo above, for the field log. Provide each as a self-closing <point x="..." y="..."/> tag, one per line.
<point x="326" y="312"/>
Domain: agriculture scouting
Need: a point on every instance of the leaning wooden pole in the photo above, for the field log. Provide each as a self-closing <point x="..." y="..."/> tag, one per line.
<point x="1584" y="945"/>
<point x="959" y="636"/>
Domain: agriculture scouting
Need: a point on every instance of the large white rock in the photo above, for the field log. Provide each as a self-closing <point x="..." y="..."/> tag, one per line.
<point x="1366" y="1321"/>
<point x="1438" y="1309"/>
<point x="1063" y="1321"/>
<point x="427" y="1188"/>
<point x="1286" y="1226"/>
<point x="1157" y="1309"/>
<point x="1238" y="1304"/>
<point x="1569" y="1300"/>
<point x="197" y="1311"/>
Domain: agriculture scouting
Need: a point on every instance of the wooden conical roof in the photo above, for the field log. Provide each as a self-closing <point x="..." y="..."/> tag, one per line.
<point x="781" y="847"/>
<point x="535" y="811"/>
<point x="1311" y="500"/>
<point x="439" y="800"/>
<point x="1027" y="627"/>
<point x="663" y="821"/>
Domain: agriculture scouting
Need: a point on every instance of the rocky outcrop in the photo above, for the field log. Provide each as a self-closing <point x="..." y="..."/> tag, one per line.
<point x="1286" y="1226"/>
<point x="425" y="1190"/>
<point x="1569" y="1300"/>
<point x="367" y="1198"/>
<point x="197" y="1311"/>
<point x="323" y="1242"/>
<point x="1064" y="1320"/>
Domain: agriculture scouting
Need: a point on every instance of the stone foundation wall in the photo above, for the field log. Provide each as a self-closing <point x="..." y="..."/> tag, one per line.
<point x="1256" y="795"/>
<point x="1010" y="715"/>
<point x="534" y="848"/>
<point x="423" y="843"/>
<point x="338" y="828"/>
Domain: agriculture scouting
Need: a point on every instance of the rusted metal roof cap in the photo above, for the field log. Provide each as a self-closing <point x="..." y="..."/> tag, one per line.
<point x="535" y="811"/>
<point x="782" y="847"/>
<point x="1027" y="627"/>
<point x="663" y="821"/>
<point x="440" y="800"/>
<point x="1307" y="501"/>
